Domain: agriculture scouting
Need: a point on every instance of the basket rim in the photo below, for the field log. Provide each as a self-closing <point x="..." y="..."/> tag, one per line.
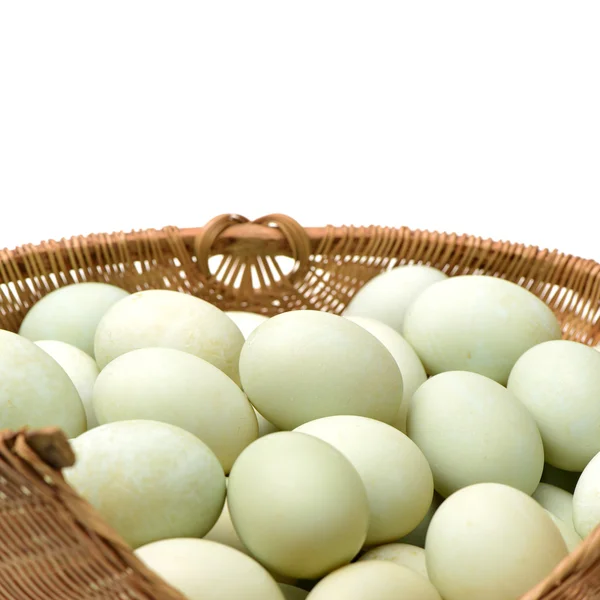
<point x="259" y="232"/>
<point x="248" y="232"/>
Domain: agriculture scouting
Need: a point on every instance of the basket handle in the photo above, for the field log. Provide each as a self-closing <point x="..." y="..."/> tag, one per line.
<point x="259" y="236"/>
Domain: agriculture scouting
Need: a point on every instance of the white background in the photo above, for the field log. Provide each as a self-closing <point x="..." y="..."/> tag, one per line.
<point x="479" y="117"/>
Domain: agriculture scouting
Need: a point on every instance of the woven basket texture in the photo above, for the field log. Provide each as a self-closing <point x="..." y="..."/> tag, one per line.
<point x="53" y="545"/>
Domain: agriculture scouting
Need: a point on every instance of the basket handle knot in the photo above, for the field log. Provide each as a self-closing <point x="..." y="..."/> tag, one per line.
<point x="271" y="234"/>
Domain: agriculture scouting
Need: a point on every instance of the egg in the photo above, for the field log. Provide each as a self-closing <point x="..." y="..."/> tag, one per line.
<point x="374" y="579"/>
<point x="223" y="532"/>
<point x="35" y="391"/>
<point x="298" y="505"/>
<point x="477" y="323"/>
<point x="386" y="297"/>
<point x="162" y="384"/>
<point x="586" y="499"/>
<point x="557" y="501"/>
<point x="247" y="322"/>
<point x="413" y="372"/>
<point x="559" y="383"/>
<point x="148" y="480"/>
<point x="303" y="365"/>
<point x="81" y="369"/>
<point x="396" y="475"/>
<point x="408" y="556"/>
<point x="292" y="592"/>
<point x="417" y="536"/>
<point x="566" y="480"/>
<point x="571" y="538"/>
<point x="166" y="319"/>
<point x="472" y="430"/>
<point x="71" y="314"/>
<point x="264" y="426"/>
<point x="491" y="541"/>
<point x="203" y="570"/>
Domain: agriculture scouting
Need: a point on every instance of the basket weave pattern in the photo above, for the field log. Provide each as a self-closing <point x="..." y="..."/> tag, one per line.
<point x="53" y="544"/>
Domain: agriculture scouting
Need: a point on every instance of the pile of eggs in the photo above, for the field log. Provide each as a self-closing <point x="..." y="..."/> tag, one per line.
<point x="424" y="445"/>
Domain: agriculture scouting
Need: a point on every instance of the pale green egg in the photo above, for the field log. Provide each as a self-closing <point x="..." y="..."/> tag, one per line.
<point x="71" y="314"/>
<point x="148" y="480"/>
<point x="477" y="323"/>
<point x="81" y="369"/>
<point x="491" y="541"/>
<point x="35" y="391"/>
<point x="162" y="384"/>
<point x="167" y="319"/>
<point x="204" y="570"/>
<point x="306" y="364"/>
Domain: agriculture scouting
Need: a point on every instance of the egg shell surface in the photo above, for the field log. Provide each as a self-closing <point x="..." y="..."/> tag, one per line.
<point x="71" y="314"/>
<point x="477" y="323"/>
<point x="586" y="499"/>
<point x="413" y="372"/>
<point x="298" y="505"/>
<point x="387" y="296"/>
<point x="148" y="480"/>
<point x="491" y="541"/>
<point x="204" y="570"/>
<point x="247" y="322"/>
<point x="81" y="369"/>
<point x="374" y="579"/>
<point x="559" y="383"/>
<point x="303" y="365"/>
<point x="35" y="391"/>
<point x="473" y="430"/>
<point x="406" y="555"/>
<point x="167" y="319"/>
<point x="171" y="386"/>
<point x="395" y="472"/>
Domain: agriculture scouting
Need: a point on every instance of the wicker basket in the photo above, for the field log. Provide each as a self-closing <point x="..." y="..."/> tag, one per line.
<point x="53" y="545"/>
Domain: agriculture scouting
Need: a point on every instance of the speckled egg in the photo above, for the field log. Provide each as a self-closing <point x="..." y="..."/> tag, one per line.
<point x="166" y="319"/>
<point x="148" y="480"/>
